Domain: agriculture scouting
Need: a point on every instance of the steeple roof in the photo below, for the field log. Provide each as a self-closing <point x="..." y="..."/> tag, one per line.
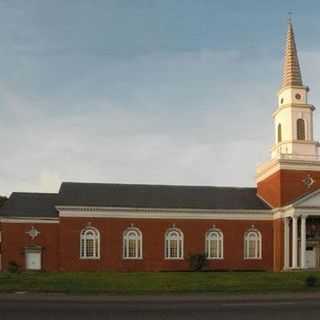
<point x="291" y="69"/>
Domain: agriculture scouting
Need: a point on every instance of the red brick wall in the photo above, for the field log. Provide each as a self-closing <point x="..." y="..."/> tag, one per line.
<point x="285" y="186"/>
<point x="153" y="244"/>
<point x="15" y="239"/>
<point x="278" y="244"/>
<point x="66" y="256"/>
<point x="270" y="189"/>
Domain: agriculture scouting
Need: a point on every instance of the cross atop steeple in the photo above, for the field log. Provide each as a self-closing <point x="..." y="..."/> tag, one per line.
<point x="291" y="69"/>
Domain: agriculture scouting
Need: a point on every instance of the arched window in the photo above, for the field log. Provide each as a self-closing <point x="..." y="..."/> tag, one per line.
<point x="174" y="244"/>
<point x="279" y="133"/>
<point x="90" y="243"/>
<point x="252" y="244"/>
<point x="214" y="244"/>
<point x="132" y="244"/>
<point x="301" y="135"/>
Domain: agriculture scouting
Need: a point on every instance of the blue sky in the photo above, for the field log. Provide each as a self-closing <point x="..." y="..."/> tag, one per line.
<point x="170" y="91"/>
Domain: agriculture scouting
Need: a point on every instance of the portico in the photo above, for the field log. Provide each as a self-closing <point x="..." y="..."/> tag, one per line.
<point x="302" y="233"/>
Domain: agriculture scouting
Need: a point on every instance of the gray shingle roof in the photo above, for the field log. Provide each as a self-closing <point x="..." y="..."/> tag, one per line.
<point x="158" y="196"/>
<point x="41" y="205"/>
<point x="2" y="201"/>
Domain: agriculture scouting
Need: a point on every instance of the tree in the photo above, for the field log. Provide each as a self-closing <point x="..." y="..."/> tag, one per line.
<point x="2" y="200"/>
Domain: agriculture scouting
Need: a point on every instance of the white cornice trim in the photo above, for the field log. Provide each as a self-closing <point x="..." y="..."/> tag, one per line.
<point x="28" y="220"/>
<point x="140" y="209"/>
<point x="292" y="87"/>
<point x="294" y="106"/>
<point x="268" y="168"/>
<point x="151" y="213"/>
<point x="295" y="141"/>
<point x="296" y="212"/>
<point x="283" y="212"/>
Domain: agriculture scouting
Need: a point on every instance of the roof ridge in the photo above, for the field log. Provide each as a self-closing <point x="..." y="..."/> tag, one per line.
<point x="154" y="185"/>
<point x="34" y="193"/>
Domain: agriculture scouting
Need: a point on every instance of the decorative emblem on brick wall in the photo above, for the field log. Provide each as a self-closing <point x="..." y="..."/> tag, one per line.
<point x="33" y="233"/>
<point x="308" y="181"/>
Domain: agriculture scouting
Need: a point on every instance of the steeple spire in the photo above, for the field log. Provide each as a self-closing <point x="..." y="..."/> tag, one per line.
<point x="291" y="68"/>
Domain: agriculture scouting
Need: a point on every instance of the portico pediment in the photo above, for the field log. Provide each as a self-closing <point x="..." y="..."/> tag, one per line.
<point x="311" y="200"/>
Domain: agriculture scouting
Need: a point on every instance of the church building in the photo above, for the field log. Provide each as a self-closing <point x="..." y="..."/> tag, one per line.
<point x="274" y="226"/>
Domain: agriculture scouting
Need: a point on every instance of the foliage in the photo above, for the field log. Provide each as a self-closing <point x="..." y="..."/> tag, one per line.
<point x="13" y="267"/>
<point x="311" y="281"/>
<point x="198" y="262"/>
<point x="155" y="282"/>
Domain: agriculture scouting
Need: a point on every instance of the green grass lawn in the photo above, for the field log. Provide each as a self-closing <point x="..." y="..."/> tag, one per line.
<point x="157" y="283"/>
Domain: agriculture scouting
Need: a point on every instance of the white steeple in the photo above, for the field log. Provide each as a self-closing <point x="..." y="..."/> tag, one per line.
<point x="293" y="119"/>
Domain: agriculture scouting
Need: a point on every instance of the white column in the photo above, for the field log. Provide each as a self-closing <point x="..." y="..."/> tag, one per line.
<point x="303" y="242"/>
<point x="286" y="244"/>
<point x="294" y="242"/>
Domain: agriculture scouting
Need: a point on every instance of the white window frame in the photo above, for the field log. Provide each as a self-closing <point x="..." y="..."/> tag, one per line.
<point x="258" y="244"/>
<point x="33" y="250"/>
<point x="180" y="244"/>
<point x="138" y="244"/>
<point x="214" y="235"/>
<point x="83" y="242"/>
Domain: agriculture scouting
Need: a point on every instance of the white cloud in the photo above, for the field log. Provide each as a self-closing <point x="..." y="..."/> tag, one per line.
<point x="49" y="182"/>
<point x="216" y="137"/>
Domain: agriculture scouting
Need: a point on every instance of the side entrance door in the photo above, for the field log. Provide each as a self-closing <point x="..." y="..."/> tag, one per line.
<point x="33" y="260"/>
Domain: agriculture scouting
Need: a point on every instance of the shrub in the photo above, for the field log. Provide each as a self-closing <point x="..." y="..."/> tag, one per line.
<point x="13" y="267"/>
<point x="198" y="262"/>
<point x="311" y="281"/>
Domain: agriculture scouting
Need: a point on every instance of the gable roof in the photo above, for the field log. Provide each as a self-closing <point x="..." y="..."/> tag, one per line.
<point x="41" y="205"/>
<point x="159" y="196"/>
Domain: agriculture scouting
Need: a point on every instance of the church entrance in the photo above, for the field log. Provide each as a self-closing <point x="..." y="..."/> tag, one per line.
<point x="309" y="229"/>
<point x="311" y="257"/>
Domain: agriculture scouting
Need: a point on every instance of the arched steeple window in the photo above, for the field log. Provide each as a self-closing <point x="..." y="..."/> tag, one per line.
<point x="301" y="134"/>
<point x="279" y="133"/>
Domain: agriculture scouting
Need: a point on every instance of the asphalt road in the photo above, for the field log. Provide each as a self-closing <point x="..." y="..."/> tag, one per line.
<point x="163" y="309"/>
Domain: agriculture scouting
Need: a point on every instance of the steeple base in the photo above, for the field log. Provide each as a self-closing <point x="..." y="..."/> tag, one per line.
<point x="282" y="181"/>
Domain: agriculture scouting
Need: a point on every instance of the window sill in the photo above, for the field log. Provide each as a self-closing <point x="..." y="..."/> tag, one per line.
<point x="89" y="258"/>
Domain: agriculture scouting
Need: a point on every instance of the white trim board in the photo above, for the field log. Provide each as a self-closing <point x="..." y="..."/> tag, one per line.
<point x="123" y="214"/>
<point x="27" y="220"/>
